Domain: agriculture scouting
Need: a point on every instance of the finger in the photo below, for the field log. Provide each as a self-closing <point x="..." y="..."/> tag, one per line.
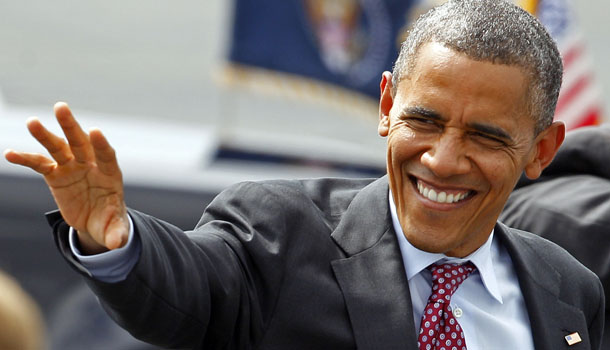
<point x="34" y="161"/>
<point x="117" y="232"/>
<point x="105" y="155"/>
<point x="116" y="237"/>
<point x="77" y="138"/>
<point x="55" y="145"/>
<point x="108" y="225"/>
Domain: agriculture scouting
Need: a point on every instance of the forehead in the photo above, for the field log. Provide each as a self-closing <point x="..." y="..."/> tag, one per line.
<point x="460" y="88"/>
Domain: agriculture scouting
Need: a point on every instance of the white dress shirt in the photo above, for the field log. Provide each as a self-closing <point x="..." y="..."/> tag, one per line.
<point x="493" y="312"/>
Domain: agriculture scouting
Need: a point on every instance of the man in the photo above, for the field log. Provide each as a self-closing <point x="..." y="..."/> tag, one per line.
<point x="570" y="203"/>
<point x="343" y="264"/>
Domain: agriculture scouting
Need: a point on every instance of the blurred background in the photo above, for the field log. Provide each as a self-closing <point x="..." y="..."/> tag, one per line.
<point x="196" y="95"/>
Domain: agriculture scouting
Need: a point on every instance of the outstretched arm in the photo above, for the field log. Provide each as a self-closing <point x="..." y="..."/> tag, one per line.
<point x="84" y="178"/>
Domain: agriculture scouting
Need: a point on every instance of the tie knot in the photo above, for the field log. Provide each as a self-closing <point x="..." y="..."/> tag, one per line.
<point x="446" y="278"/>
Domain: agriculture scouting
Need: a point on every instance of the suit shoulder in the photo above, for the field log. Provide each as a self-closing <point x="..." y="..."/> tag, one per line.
<point x="554" y="254"/>
<point x="330" y="195"/>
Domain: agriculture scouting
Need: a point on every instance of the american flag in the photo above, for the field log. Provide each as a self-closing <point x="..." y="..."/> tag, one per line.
<point x="580" y="101"/>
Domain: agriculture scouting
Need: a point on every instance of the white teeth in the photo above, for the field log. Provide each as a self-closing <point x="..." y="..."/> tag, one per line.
<point x="449" y="198"/>
<point x="441" y="197"/>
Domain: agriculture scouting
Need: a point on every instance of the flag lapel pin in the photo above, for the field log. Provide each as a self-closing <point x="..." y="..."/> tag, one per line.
<point x="573" y="338"/>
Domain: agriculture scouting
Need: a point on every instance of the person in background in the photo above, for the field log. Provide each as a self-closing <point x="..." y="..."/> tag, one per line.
<point x="21" y="323"/>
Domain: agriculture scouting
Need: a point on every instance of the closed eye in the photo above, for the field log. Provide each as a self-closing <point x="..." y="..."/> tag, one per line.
<point x="422" y="119"/>
<point x="422" y="123"/>
<point x="487" y="139"/>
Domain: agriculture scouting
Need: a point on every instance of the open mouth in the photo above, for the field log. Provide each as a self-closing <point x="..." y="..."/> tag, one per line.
<point x="441" y="196"/>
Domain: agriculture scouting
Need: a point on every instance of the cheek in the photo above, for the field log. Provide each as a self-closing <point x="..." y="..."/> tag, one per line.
<point x="402" y="150"/>
<point x="500" y="172"/>
<point x="402" y="143"/>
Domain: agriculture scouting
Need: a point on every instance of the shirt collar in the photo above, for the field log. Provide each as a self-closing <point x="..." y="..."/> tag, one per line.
<point x="416" y="260"/>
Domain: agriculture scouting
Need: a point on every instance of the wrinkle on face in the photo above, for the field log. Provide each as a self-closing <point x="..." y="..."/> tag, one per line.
<point x="456" y="123"/>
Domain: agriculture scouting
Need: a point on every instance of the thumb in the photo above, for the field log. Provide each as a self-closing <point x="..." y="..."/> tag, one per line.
<point x="117" y="233"/>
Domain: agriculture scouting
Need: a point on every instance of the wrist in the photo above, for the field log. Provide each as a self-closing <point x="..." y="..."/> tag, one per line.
<point x="87" y="245"/>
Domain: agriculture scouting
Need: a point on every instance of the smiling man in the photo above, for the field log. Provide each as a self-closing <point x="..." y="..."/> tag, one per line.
<point x="459" y="136"/>
<point x="414" y="260"/>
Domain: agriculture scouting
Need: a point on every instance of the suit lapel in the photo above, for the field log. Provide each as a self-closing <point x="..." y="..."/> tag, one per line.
<point x="551" y="319"/>
<point x="376" y="292"/>
<point x="372" y="277"/>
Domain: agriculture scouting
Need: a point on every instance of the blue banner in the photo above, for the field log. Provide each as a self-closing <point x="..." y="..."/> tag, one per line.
<point x="343" y="42"/>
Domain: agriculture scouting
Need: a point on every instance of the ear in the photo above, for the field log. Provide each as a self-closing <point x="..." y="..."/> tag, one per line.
<point x="385" y="103"/>
<point x="547" y="145"/>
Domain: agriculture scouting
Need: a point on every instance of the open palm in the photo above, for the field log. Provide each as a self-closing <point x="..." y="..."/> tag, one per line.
<point x="84" y="178"/>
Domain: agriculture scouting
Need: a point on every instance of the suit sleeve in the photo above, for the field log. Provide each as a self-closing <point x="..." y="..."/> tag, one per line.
<point x="213" y="287"/>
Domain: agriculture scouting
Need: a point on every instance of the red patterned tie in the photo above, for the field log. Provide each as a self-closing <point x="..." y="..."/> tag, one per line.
<point x="439" y="328"/>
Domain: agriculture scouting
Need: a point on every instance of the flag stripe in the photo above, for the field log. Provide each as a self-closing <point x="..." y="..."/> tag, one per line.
<point x="570" y="94"/>
<point x="579" y="102"/>
<point x="571" y="55"/>
<point x="593" y="117"/>
<point x="574" y="111"/>
<point x="577" y="70"/>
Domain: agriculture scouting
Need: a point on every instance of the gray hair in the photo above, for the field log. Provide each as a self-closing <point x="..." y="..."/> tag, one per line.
<point x="495" y="31"/>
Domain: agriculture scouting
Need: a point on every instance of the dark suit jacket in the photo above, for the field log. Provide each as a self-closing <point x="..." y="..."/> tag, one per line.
<point x="570" y="203"/>
<point x="313" y="264"/>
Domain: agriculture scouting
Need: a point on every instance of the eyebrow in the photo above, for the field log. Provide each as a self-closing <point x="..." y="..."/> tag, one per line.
<point x="424" y="112"/>
<point x="491" y="130"/>
<point x="483" y="128"/>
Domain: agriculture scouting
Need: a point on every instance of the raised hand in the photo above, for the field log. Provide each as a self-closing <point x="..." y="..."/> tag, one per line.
<point x="84" y="178"/>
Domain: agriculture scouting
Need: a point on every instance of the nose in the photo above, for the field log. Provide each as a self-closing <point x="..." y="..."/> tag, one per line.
<point x="447" y="155"/>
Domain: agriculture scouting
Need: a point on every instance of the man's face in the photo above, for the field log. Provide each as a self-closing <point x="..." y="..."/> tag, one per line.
<point x="459" y="137"/>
